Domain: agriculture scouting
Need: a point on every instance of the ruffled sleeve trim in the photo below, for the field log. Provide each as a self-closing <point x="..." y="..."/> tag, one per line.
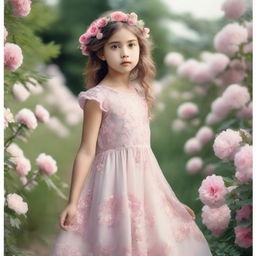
<point x="92" y="94"/>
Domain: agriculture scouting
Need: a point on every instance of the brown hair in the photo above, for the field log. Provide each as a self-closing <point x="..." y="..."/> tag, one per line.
<point x="144" y="72"/>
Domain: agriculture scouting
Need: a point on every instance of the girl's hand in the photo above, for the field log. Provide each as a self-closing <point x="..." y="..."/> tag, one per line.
<point x="67" y="216"/>
<point x="190" y="211"/>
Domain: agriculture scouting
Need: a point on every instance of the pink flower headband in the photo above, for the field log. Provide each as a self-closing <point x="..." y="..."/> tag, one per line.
<point x="94" y="30"/>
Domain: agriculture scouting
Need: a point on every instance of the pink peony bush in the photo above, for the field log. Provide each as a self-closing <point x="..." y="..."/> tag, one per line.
<point x="22" y="165"/>
<point x="13" y="57"/>
<point x="194" y="164"/>
<point x="204" y="134"/>
<point x="243" y="236"/>
<point x="16" y="203"/>
<point x="216" y="219"/>
<point x="47" y="165"/>
<point x="42" y="114"/>
<point x="192" y="146"/>
<point x="212" y="191"/>
<point x="234" y="9"/>
<point x="21" y="8"/>
<point x="26" y="117"/>
<point x="226" y="144"/>
<point x="187" y="68"/>
<point x="187" y="110"/>
<point x="227" y="40"/>
<point x="244" y="213"/>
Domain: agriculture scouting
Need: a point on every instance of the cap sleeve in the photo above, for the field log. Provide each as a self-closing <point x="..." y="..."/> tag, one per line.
<point x="92" y="94"/>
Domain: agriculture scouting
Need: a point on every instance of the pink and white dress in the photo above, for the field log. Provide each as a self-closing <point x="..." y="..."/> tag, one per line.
<point x="127" y="207"/>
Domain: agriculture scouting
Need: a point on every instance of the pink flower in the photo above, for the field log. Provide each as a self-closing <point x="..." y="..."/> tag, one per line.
<point x="243" y="236"/>
<point x="42" y="114"/>
<point x="118" y="16"/>
<point x="236" y="96"/>
<point x="231" y="76"/>
<point x="5" y="33"/>
<point x="21" y="8"/>
<point x="26" y="117"/>
<point x="204" y="134"/>
<point x="209" y="169"/>
<point x="99" y="35"/>
<point x="245" y="112"/>
<point x="16" y="203"/>
<point x="23" y="166"/>
<point x="101" y="22"/>
<point x="20" y="92"/>
<point x="229" y="38"/>
<point x="202" y="74"/>
<point x="187" y="68"/>
<point x="83" y="38"/>
<point x="187" y="110"/>
<point x="234" y="9"/>
<point x="8" y="117"/>
<point x="220" y="107"/>
<point x="13" y="57"/>
<point x="244" y="213"/>
<point x="213" y="118"/>
<point x="29" y="185"/>
<point x="47" y="164"/>
<point x="226" y="144"/>
<point x="243" y="177"/>
<point x="133" y="18"/>
<point x="216" y="219"/>
<point x="173" y="59"/>
<point x="14" y="150"/>
<point x="217" y="63"/>
<point x="146" y="32"/>
<point x="192" y="146"/>
<point x="212" y="191"/>
<point x="93" y="30"/>
<point x="194" y="164"/>
<point x="243" y="161"/>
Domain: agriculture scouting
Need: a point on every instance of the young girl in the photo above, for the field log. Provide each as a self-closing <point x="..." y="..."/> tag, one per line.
<point x="120" y="203"/>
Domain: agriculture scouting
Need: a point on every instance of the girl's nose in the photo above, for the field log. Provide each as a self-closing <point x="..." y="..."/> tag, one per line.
<point x="124" y="53"/>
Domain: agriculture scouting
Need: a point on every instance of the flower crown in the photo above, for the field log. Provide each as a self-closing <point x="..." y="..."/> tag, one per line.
<point x="94" y="30"/>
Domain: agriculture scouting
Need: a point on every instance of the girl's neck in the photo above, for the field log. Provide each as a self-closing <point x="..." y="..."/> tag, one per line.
<point x="117" y="80"/>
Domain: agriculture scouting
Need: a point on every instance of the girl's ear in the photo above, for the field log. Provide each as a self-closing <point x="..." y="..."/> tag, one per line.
<point x="101" y="55"/>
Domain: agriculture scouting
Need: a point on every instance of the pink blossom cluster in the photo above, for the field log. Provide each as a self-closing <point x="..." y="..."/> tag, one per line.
<point x="20" y="92"/>
<point x="194" y="164"/>
<point x="235" y="97"/>
<point x="13" y="57"/>
<point x="21" y="8"/>
<point x="26" y="116"/>
<point x="8" y="117"/>
<point x="16" y="203"/>
<point x="187" y="110"/>
<point x="173" y="59"/>
<point x="243" y="236"/>
<point x="47" y="165"/>
<point x="95" y="28"/>
<point x="234" y="9"/>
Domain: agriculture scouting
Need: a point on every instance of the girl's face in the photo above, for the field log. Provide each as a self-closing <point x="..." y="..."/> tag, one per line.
<point x="120" y="47"/>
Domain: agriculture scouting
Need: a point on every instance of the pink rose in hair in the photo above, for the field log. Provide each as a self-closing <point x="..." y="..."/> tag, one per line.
<point x="42" y="114"/>
<point x="236" y="96"/>
<point x="83" y="38"/>
<point x="93" y="30"/>
<point x="204" y="134"/>
<point x="234" y="9"/>
<point x="192" y="146"/>
<point x="133" y="18"/>
<point x="243" y="236"/>
<point x="226" y="144"/>
<point x="212" y="191"/>
<point x="99" y="35"/>
<point x="216" y="219"/>
<point x="26" y="117"/>
<point x="187" y="110"/>
<point x="244" y="213"/>
<point x="13" y="57"/>
<point x="101" y="22"/>
<point x="146" y="32"/>
<point x="229" y="38"/>
<point x="47" y="165"/>
<point x="194" y="164"/>
<point x="21" y="8"/>
<point x="23" y="166"/>
<point x="118" y="16"/>
<point x="16" y="203"/>
<point x="20" y="92"/>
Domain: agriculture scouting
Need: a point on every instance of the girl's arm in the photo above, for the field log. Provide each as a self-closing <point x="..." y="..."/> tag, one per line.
<point x="91" y="124"/>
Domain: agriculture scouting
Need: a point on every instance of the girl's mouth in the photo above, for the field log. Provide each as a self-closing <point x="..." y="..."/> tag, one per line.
<point x="126" y="63"/>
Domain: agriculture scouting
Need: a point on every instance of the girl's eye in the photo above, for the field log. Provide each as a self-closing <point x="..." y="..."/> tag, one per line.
<point x="114" y="46"/>
<point x="132" y="44"/>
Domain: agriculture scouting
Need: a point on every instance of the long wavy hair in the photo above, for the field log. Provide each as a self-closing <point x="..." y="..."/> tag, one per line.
<point x="143" y="73"/>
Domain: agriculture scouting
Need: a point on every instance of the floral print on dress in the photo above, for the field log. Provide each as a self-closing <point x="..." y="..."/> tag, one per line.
<point x="109" y="211"/>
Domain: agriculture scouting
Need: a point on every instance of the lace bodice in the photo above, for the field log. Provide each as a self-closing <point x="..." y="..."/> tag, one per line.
<point x="125" y="120"/>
